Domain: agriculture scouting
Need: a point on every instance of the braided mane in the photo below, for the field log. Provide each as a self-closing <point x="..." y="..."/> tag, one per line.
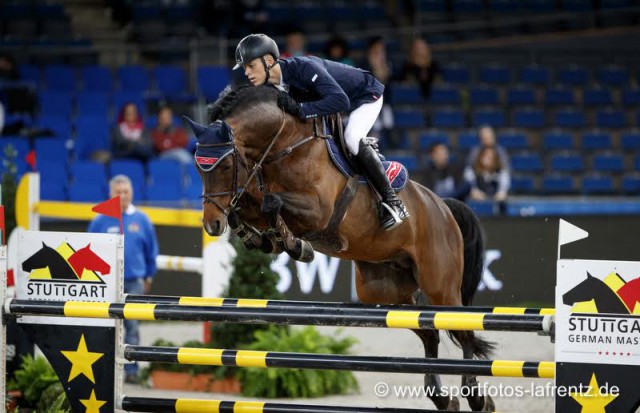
<point x="232" y="99"/>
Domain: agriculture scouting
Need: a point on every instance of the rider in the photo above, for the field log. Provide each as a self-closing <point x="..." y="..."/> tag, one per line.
<point x="325" y="87"/>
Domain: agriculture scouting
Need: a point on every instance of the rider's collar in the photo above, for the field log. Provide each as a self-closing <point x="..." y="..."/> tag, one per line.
<point x="130" y="209"/>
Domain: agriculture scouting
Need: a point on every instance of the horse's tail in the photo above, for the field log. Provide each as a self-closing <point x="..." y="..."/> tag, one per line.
<point x="474" y="244"/>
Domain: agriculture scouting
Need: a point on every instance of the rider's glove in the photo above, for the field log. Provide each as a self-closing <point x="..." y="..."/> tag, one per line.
<point x="288" y="104"/>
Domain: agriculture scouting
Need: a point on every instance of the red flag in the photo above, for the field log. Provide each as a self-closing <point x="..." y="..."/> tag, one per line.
<point x="110" y="208"/>
<point x="30" y="159"/>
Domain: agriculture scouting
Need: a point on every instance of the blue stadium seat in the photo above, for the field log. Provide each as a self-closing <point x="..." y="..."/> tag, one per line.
<point x="403" y="94"/>
<point x="135" y="171"/>
<point x="468" y="6"/>
<point x="166" y="171"/>
<point x="534" y="75"/>
<point x="631" y="97"/>
<point x="30" y="73"/>
<point x="577" y="5"/>
<point x="53" y="179"/>
<point x="59" y="125"/>
<point x="88" y="172"/>
<point x="569" y="118"/>
<point x="608" y="163"/>
<point x="597" y="184"/>
<point x="567" y="162"/>
<point x="467" y="140"/>
<point x="55" y="103"/>
<point x="408" y="118"/>
<point x="133" y="78"/>
<point x="92" y="103"/>
<point x="523" y="184"/>
<point x="513" y="140"/>
<point x="631" y="184"/>
<point x="193" y="190"/>
<point x="212" y="80"/>
<point x="557" y="140"/>
<point x="597" y="97"/>
<point x="60" y="77"/>
<point x="483" y="208"/>
<point x="445" y="95"/>
<point x="92" y="135"/>
<point x="171" y="80"/>
<point x="164" y="192"/>
<point x="96" y="78"/>
<point x="455" y="73"/>
<point x="613" y="75"/>
<point x="529" y="162"/>
<point x="636" y="163"/>
<point x="521" y="95"/>
<point x="494" y="74"/>
<point x="574" y="75"/>
<point x="91" y="192"/>
<point x="559" y="96"/>
<point x="50" y="149"/>
<point x="483" y="95"/>
<point x="493" y="117"/>
<point x="429" y="138"/>
<point x="597" y="141"/>
<point x="540" y="6"/>
<point x="505" y="6"/>
<point x="615" y="4"/>
<point x="447" y="118"/>
<point x="558" y="184"/>
<point x="611" y="118"/>
<point x="528" y="118"/>
<point x="630" y="140"/>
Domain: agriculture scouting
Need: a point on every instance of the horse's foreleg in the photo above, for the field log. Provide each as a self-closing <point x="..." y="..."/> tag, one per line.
<point x="250" y="237"/>
<point x="280" y="234"/>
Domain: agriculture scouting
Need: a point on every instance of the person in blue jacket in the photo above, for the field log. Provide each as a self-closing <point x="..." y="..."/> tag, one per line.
<point x="140" y="252"/>
<point x="311" y="87"/>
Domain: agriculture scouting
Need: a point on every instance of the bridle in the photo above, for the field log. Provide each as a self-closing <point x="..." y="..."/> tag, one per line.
<point x="256" y="172"/>
<point x="238" y="161"/>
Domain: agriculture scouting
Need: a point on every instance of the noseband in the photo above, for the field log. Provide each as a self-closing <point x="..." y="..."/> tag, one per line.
<point x="238" y="161"/>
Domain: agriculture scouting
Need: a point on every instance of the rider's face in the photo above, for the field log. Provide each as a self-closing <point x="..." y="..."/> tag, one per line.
<point x="255" y="71"/>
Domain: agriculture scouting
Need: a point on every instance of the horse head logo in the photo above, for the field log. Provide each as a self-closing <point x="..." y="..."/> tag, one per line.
<point x="599" y="293"/>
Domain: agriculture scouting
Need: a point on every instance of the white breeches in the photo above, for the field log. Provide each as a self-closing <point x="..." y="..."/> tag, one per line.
<point x="361" y="120"/>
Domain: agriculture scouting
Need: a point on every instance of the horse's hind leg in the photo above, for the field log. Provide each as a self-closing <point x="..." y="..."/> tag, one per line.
<point x="471" y="387"/>
<point x="381" y="284"/>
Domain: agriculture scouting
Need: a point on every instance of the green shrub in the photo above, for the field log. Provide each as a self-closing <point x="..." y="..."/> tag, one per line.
<point x="281" y="382"/>
<point x="32" y="379"/>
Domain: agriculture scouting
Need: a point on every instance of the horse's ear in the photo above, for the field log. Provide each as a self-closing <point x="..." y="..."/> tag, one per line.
<point x="589" y="275"/>
<point x="197" y="128"/>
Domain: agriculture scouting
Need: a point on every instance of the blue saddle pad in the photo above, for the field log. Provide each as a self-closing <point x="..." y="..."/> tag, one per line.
<point x="396" y="172"/>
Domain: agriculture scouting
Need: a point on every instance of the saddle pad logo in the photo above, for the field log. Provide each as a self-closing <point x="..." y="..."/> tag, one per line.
<point x="393" y="170"/>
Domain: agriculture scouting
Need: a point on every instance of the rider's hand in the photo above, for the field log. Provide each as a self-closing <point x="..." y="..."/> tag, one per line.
<point x="288" y="104"/>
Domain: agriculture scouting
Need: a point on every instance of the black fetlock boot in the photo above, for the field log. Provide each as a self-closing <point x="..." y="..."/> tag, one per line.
<point x="394" y="210"/>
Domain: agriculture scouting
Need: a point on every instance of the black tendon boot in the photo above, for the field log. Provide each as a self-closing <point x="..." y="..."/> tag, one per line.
<point x="394" y="211"/>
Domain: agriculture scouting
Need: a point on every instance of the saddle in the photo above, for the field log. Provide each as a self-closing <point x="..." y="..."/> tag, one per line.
<point x="343" y="160"/>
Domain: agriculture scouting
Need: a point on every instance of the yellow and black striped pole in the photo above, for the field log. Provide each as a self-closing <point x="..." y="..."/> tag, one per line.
<point x="144" y="404"/>
<point x="246" y="358"/>
<point x="434" y="320"/>
<point x="249" y="302"/>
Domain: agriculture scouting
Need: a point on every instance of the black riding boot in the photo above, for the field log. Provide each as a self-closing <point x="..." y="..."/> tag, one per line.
<point x="394" y="211"/>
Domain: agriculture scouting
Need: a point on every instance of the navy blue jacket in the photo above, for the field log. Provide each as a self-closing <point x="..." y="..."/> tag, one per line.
<point x="324" y="87"/>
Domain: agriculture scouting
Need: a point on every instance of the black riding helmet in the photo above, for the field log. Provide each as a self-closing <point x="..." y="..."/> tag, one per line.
<point x="256" y="46"/>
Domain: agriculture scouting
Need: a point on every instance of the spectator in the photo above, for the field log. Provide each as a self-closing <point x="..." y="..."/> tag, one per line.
<point x="140" y="252"/>
<point x="488" y="140"/>
<point x="129" y="137"/>
<point x="296" y="44"/>
<point x="337" y="49"/>
<point x="419" y="67"/>
<point x="444" y="176"/>
<point x="169" y="141"/>
<point x="488" y="177"/>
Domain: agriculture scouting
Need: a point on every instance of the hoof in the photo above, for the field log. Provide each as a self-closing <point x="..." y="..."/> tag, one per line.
<point x="454" y="405"/>
<point x="303" y="251"/>
<point x="489" y="405"/>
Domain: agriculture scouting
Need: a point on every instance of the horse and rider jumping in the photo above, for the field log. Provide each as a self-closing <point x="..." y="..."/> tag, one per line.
<point x="268" y="175"/>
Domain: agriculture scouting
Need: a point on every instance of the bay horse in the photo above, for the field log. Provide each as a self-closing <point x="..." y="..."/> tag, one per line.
<point x="266" y="172"/>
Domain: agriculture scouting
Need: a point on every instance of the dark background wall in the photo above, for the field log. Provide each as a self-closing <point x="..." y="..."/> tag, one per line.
<point x="526" y="247"/>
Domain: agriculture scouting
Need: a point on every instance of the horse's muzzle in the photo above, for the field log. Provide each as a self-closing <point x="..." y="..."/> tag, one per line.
<point x="214" y="229"/>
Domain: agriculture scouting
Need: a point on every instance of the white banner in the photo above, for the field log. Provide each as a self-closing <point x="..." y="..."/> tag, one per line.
<point x="63" y="266"/>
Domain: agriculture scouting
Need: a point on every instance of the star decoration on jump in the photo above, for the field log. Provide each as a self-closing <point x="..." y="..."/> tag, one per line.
<point x="92" y="404"/>
<point x="592" y="401"/>
<point x="82" y="360"/>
